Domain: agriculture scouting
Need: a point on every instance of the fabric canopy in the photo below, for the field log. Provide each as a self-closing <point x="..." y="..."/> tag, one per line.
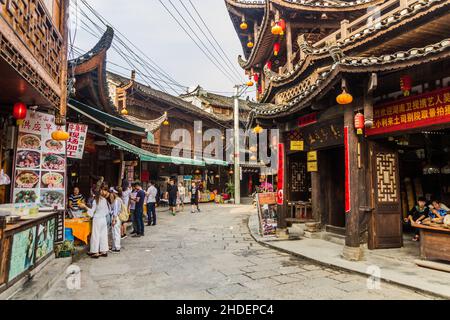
<point x="216" y="162"/>
<point x="147" y="156"/>
<point x="106" y="119"/>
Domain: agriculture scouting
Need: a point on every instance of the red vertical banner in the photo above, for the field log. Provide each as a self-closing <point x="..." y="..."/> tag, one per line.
<point x="348" y="206"/>
<point x="280" y="193"/>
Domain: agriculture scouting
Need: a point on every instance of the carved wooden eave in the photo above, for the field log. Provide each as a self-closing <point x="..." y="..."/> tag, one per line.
<point x="361" y="42"/>
<point x="325" y="5"/>
<point x="326" y="80"/>
<point x="263" y="44"/>
<point x="90" y="73"/>
<point x="144" y="96"/>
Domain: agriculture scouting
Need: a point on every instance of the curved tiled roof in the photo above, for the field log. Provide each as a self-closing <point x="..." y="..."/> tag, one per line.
<point x="104" y="44"/>
<point x="315" y="54"/>
<point x="393" y="61"/>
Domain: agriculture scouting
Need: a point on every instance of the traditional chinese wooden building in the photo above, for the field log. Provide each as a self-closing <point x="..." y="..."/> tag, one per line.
<point x="131" y="128"/>
<point x="33" y="49"/>
<point x="361" y="163"/>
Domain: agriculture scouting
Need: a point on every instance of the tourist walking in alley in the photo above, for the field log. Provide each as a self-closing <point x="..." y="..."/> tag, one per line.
<point x="99" y="212"/>
<point x="182" y="197"/>
<point x="173" y="196"/>
<point x="115" y="199"/>
<point x="126" y="194"/>
<point x="152" y="192"/>
<point x="195" y="195"/>
<point x="132" y="208"/>
<point x="139" y="209"/>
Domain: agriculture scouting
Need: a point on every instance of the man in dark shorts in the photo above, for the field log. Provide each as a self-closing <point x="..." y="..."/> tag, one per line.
<point x="139" y="209"/>
<point x="173" y="196"/>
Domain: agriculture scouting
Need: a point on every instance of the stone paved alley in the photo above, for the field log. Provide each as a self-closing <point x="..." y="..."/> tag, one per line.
<point x="212" y="255"/>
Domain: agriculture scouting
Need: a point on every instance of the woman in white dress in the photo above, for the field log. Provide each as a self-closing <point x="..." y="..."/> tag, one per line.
<point x="99" y="212"/>
<point x="116" y="225"/>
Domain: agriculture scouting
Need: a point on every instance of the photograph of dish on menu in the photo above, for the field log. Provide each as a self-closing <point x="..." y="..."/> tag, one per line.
<point x="26" y="179"/>
<point x="54" y="146"/>
<point x="52" y="180"/>
<point x="28" y="159"/>
<point x="29" y="141"/>
<point x="25" y="196"/>
<point x="52" y="198"/>
<point x="52" y="161"/>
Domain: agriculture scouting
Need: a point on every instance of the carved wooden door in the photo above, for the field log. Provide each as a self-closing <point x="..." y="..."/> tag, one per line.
<point x="299" y="181"/>
<point x="385" y="227"/>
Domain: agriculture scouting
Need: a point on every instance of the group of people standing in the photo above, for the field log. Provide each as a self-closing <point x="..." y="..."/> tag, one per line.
<point x="111" y="208"/>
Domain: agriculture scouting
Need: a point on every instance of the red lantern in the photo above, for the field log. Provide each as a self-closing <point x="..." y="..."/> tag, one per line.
<point x="406" y="85"/>
<point x="269" y="65"/>
<point x="359" y="123"/>
<point x="276" y="48"/>
<point x="20" y="112"/>
<point x="282" y="24"/>
<point x="256" y="77"/>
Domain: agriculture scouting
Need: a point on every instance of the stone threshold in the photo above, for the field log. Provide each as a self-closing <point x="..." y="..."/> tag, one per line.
<point x="402" y="272"/>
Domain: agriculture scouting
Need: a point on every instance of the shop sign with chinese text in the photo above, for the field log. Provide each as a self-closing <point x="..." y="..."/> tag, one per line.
<point x="40" y="163"/>
<point x="77" y="140"/>
<point x="413" y="112"/>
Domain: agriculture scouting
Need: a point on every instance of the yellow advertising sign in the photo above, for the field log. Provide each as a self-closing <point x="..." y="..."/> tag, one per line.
<point x="313" y="167"/>
<point x="297" y="145"/>
<point x="312" y="156"/>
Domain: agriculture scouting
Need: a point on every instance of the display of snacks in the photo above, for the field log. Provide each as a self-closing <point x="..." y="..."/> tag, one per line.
<point x="52" y="161"/>
<point x="29" y="141"/>
<point x="55" y="146"/>
<point x="25" y="196"/>
<point x="27" y="179"/>
<point x="52" y="198"/>
<point x="52" y="180"/>
<point x="28" y="159"/>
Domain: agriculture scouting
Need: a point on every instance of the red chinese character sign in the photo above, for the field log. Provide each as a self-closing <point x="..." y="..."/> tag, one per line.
<point x="280" y="193"/>
<point x="40" y="163"/>
<point x="77" y="140"/>
<point x="413" y="112"/>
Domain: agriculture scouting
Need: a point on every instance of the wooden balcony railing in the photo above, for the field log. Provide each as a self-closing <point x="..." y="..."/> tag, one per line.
<point x="371" y="18"/>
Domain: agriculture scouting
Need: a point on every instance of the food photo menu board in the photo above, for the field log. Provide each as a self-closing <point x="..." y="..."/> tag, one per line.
<point x="40" y="167"/>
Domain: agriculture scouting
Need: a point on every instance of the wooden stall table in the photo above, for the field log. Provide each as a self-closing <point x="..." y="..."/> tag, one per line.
<point x="81" y="228"/>
<point x="434" y="242"/>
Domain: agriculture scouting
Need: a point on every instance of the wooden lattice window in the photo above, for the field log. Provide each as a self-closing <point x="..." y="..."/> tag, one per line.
<point x="387" y="177"/>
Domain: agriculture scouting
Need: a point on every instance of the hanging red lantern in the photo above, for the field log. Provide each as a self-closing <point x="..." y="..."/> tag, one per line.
<point x="20" y="112"/>
<point x="282" y="25"/>
<point x="359" y="123"/>
<point x="406" y="85"/>
<point x="276" y="48"/>
<point x="269" y="65"/>
<point x="259" y="89"/>
<point x="256" y="77"/>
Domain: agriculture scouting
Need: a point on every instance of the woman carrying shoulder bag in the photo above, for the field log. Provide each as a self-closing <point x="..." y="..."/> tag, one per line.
<point x="99" y="213"/>
<point x="116" y="224"/>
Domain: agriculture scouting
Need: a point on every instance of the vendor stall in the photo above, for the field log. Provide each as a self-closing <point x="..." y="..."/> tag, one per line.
<point x="434" y="241"/>
<point x="81" y="228"/>
<point x="27" y="243"/>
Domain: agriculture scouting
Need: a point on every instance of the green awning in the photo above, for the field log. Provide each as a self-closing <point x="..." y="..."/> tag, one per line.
<point x="147" y="156"/>
<point x="107" y="120"/>
<point x="216" y="162"/>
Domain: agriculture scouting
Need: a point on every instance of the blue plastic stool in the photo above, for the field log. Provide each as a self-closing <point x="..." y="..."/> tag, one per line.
<point x="68" y="234"/>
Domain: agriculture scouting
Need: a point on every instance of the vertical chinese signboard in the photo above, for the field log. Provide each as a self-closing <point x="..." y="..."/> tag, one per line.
<point x="40" y="163"/>
<point x="280" y="193"/>
<point x="77" y="140"/>
<point x="413" y="112"/>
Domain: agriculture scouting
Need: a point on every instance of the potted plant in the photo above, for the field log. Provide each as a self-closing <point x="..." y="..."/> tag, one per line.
<point x="65" y="249"/>
<point x="230" y="190"/>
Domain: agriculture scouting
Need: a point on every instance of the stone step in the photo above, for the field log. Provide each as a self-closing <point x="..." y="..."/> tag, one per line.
<point x="333" y="237"/>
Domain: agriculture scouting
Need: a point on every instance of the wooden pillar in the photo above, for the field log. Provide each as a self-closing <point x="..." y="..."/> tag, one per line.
<point x="353" y="181"/>
<point x="283" y="210"/>
<point x="344" y="29"/>
<point x="3" y="249"/>
<point x="289" y="46"/>
<point x="316" y="196"/>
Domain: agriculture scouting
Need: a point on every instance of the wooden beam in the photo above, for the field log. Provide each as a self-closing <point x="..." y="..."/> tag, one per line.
<point x="289" y="46"/>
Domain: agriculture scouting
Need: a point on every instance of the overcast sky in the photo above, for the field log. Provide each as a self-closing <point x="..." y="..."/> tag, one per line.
<point x="153" y="30"/>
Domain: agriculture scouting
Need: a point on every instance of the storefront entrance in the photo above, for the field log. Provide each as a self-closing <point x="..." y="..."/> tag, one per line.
<point x="333" y="184"/>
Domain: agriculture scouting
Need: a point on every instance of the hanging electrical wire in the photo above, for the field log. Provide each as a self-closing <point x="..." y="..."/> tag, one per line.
<point x="221" y="69"/>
